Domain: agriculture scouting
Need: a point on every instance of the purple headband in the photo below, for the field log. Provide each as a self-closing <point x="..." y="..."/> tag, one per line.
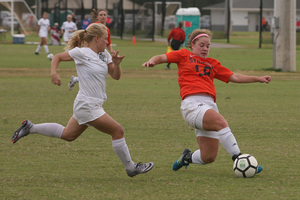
<point x="200" y="35"/>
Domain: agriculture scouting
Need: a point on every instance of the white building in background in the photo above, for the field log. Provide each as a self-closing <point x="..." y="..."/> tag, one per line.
<point x="245" y="14"/>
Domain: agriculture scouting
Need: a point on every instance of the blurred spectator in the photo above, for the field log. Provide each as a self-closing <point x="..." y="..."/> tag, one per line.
<point x="177" y="35"/>
<point x="264" y="24"/>
<point x="298" y="25"/>
<point x="85" y="22"/>
<point x="55" y="34"/>
<point x="75" y="20"/>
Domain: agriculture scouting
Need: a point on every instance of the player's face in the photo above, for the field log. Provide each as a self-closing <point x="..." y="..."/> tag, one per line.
<point x="69" y="18"/>
<point x="45" y="15"/>
<point x="102" y="17"/>
<point x="201" y="47"/>
<point x="102" y="41"/>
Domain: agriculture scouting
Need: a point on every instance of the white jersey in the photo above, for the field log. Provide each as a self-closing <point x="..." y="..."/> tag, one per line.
<point x="67" y="27"/>
<point x="92" y="70"/>
<point x="44" y="25"/>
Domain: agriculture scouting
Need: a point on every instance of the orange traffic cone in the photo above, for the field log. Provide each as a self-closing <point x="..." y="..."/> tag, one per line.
<point x="133" y="40"/>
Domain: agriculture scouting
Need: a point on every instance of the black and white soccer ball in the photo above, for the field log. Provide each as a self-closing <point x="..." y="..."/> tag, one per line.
<point x="245" y="166"/>
<point x="50" y="56"/>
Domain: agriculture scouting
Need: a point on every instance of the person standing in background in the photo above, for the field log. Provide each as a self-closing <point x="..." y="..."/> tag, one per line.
<point x="101" y="16"/>
<point x="85" y="22"/>
<point x="42" y="29"/>
<point x="68" y="28"/>
<point x="178" y="37"/>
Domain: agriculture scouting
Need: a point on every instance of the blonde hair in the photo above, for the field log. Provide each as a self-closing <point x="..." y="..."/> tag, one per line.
<point x="195" y="33"/>
<point x="81" y="37"/>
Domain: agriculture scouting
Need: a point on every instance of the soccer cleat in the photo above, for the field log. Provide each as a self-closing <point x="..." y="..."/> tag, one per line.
<point x="140" y="169"/>
<point x="259" y="169"/>
<point x="22" y="131"/>
<point x="235" y="156"/>
<point x="184" y="160"/>
<point x="36" y="53"/>
<point x="72" y="82"/>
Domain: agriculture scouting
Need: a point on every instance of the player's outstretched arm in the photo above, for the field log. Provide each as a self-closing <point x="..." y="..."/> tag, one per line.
<point x="240" y="78"/>
<point x="156" y="60"/>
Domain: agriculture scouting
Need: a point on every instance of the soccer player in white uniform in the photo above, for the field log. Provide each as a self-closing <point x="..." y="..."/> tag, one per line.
<point x="42" y="30"/>
<point x="68" y="28"/>
<point x="92" y="69"/>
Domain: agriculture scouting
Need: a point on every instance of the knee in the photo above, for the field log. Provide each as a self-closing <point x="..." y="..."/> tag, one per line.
<point x="221" y="123"/>
<point x="213" y="121"/>
<point x="68" y="137"/>
<point x="118" y="132"/>
<point x="208" y="158"/>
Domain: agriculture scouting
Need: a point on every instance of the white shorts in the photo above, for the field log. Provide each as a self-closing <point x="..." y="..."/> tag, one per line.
<point x="193" y="109"/>
<point x="87" y="109"/>
<point x="66" y="38"/>
<point x="43" y="35"/>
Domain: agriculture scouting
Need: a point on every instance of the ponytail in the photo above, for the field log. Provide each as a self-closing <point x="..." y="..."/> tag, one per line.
<point x="77" y="40"/>
<point x="81" y="37"/>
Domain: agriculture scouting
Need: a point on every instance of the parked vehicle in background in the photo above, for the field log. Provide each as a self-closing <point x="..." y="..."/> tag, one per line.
<point x="7" y="21"/>
<point x="205" y="21"/>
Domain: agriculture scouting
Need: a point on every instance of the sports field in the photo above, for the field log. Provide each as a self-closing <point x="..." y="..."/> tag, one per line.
<point x="265" y="119"/>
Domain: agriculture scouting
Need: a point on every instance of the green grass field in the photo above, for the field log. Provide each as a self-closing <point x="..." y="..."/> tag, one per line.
<point x="264" y="118"/>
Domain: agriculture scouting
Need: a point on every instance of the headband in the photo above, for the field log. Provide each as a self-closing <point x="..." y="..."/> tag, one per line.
<point x="200" y="35"/>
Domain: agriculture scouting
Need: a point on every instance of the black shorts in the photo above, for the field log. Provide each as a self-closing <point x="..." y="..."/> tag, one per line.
<point x="175" y="44"/>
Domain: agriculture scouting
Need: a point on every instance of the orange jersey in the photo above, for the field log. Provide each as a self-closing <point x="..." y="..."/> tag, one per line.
<point x="108" y="34"/>
<point x="177" y="34"/>
<point x="196" y="74"/>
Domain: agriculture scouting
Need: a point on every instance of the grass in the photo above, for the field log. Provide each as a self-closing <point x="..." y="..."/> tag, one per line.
<point x="264" y="119"/>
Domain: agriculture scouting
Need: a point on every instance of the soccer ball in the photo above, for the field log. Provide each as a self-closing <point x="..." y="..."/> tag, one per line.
<point x="245" y="166"/>
<point x="50" y="56"/>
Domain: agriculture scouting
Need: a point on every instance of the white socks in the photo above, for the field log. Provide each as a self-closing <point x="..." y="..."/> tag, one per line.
<point x="38" y="48"/>
<point x="228" y="141"/>
<point x="56" y="130"/>
<point x="122" y="151"/>
<point x="76" y="79"/>
<point x="196" y="158"/>
<point x="45" y="47"/>
<point x="48" y="129"/>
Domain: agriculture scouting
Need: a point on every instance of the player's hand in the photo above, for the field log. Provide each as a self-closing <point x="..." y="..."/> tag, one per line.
<point x="56" y="79"/>
<point x="116" y="58"/>
<point x="265" y="79"/>
<point x="148" y="64"/>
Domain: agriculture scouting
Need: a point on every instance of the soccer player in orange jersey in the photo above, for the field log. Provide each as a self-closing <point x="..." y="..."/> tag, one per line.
<point x="196" y="74"/>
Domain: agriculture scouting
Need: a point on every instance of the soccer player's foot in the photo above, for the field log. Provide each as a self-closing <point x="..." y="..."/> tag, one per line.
<point x="235" y="156"/>
<point x="22" y="131"/>
<point x="184" y="160"/>
<point x="36" y="53"/>
<point x="259" y="169"/>
<point x="72" y="82"/>
<point x="140" y="169"/>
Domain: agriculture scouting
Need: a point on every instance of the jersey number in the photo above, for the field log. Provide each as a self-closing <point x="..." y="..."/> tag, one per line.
<point x="206" y="70"/>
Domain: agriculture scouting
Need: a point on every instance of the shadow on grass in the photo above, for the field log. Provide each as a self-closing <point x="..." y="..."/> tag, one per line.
<point x="271" y="69"/>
